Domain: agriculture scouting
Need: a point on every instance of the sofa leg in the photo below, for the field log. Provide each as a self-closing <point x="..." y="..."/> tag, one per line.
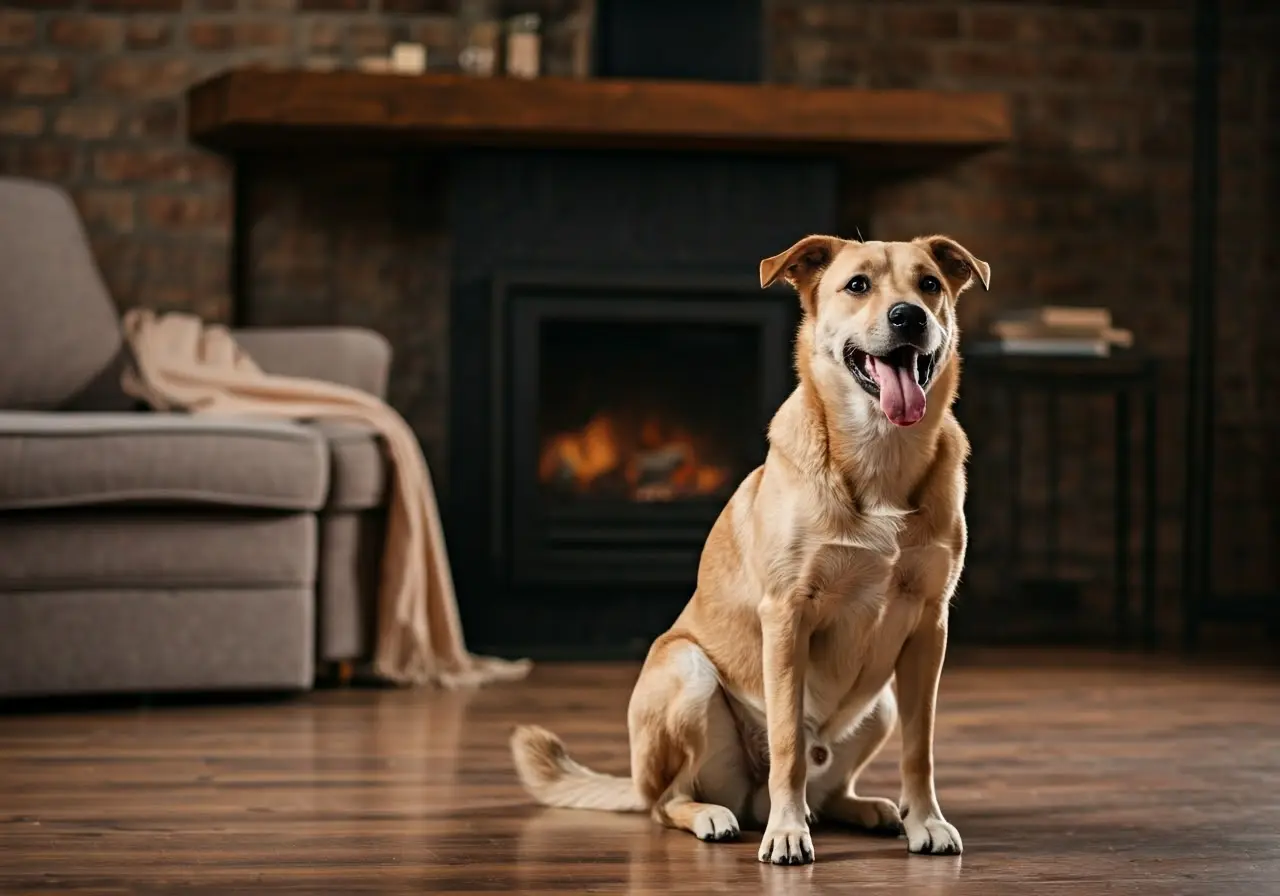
<point x="335" y="674"/>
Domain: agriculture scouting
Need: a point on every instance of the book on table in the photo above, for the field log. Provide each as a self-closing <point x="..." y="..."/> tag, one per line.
<point x="1054" y="330"/>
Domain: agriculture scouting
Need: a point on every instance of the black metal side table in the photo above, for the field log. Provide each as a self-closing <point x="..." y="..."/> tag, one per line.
<point x="1124" y="376"/>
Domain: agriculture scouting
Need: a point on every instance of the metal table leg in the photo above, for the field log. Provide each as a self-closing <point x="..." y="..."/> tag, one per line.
<point x="1013" y="570"/>
<point x="1149" y="515"/>
<point x="1053" y="475"/>
<point x="1123" y="498"/>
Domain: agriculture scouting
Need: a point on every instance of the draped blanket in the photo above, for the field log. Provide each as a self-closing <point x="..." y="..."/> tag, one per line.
<point x="180" y="363"/>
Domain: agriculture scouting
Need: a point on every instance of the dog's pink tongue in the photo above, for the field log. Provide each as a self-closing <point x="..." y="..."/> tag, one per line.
<point x="901" y="397"/>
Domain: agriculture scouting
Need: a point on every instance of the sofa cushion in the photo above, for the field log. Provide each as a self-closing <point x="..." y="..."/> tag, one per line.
<point x="357" y="466"/>
<point x="84" y="642"/>
<point x="52" y="460"/>
<point x="62" y="337"/>
<point x="107" y="548"/>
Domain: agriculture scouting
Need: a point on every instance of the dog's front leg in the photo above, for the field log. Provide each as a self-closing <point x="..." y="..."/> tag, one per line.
<point x="918" y="669"/>
<point x="785" y="658"/>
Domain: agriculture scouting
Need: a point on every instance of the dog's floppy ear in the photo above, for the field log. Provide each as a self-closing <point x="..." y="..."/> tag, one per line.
<point x="801" y="262"/>
<point x="958" y="263"/>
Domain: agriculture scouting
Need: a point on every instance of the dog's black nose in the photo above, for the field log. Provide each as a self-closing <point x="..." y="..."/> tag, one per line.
<point x="908" y="320"/>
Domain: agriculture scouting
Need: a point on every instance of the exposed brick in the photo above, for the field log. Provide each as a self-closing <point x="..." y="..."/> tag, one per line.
<point x="833" y="18"/>
<point x="334" y="5"/>
<point x="989" y="65"/>
<point x="41" y="159"/>
<point x="88" y="33"/>
<point x="365" y="38"/>
<point x="919" y="23"/>
<point x="894" y="66"/>
<point x="201" y="264"/>
<point x="155" y="119"/>
<point x="35" y="76"/>
<point x="117" y="257"/>
<point x="87" y="121"/>
<point x="213" y="35"/>
<point x="178" y="212"/>
<point x="21" y="121"/>
<point x="1002" y="25"/>
<point x="40" y="4"/>
<point x="324" y="34"/>
<point x="1034" y="24"/>
<point x="146" y="33"/>
<point x="435" y="32"/>
<point x="421" y="7"/>
<point x="136" y="5"/>
<point x="156" y="165"/>
<point x="17" y="29"/>
<point x="143" y="77"/>
<point x="212" y="307"/>
<point x="109" y="209"/>
<point x="1086" y="69"/>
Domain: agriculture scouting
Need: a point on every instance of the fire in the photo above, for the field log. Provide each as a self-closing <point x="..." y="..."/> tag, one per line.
<point x="651" y="462"/>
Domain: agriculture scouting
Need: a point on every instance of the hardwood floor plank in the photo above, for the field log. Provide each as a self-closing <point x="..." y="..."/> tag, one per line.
<point x="1066" y="773"/>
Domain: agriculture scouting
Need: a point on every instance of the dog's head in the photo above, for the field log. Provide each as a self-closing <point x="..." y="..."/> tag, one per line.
<point x="882" y="314"/>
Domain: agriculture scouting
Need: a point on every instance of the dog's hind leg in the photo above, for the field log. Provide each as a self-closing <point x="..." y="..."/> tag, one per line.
<point x="686" y="755"/>
<point x="834" y="792"/>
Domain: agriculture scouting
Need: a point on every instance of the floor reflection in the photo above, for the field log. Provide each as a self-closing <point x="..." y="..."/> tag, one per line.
<point x="555" y="847"/>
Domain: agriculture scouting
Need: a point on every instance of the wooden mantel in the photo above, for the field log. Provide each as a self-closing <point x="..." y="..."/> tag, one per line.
<point x="255" y="109"/>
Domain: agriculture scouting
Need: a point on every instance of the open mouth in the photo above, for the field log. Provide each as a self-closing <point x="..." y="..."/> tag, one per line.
<point x="897" y="379"/>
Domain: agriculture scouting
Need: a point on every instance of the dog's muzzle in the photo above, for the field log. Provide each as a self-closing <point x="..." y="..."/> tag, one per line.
<point x="898" y="379"/>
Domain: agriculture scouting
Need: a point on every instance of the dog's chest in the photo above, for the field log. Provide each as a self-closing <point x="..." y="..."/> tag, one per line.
<point x="851" y="661"/>
<point x="863" y="624"/>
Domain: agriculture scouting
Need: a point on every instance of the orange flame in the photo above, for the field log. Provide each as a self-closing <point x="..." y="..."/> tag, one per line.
<point x="655" y="463"/>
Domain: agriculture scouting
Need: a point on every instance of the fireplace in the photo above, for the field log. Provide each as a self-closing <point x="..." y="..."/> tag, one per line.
<point x="632" y="414"/>
<point x="614" y="366"/>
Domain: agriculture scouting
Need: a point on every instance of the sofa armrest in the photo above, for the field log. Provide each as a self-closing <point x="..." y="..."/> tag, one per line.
<point x="349" y="356"/>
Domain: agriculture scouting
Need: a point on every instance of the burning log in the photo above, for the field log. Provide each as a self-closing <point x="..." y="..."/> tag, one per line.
<point x="657" y="464"/>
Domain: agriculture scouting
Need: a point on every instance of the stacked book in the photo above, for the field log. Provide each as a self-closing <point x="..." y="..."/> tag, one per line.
<point x="1054" y="330"/>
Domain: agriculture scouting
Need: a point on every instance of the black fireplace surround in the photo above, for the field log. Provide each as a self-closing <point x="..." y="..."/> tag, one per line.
<point x="614" y="368"/>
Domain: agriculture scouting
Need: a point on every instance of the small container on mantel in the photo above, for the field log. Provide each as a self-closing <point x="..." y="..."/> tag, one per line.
<point x="480" y="55"/>
<point x="409" y="58"/>
<point x="524" y="46"/>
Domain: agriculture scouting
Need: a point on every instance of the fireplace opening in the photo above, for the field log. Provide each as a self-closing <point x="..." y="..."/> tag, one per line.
<point x="633" y="417"/>
<point x="646" y="412"/>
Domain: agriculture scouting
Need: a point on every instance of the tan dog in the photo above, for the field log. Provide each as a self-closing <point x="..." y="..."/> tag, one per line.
<point x="825" y="581"/>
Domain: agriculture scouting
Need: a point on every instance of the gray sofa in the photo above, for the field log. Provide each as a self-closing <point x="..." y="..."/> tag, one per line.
<point x="157" y="552"/>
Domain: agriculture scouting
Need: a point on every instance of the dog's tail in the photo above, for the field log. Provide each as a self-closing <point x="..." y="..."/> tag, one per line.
<point x="553" y="779"/>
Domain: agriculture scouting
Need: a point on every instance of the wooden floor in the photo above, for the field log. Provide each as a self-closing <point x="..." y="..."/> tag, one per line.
<point x="1065" y="773"/>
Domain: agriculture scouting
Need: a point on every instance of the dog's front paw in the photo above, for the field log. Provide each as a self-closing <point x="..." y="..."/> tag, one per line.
<point x="932" y="836"/>
<point x="786" y="844"/>
<point x="715" y="824"/>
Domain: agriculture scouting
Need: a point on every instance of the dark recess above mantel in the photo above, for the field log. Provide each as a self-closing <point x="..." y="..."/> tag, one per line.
<point x="256" y="109"/>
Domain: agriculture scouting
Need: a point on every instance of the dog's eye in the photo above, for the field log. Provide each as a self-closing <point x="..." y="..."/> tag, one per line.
<point x="859" y="284"/>
<point x="930" y="284"/>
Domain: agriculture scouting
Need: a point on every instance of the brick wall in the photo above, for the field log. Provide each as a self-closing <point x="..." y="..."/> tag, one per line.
<point x="1090" y="203"/>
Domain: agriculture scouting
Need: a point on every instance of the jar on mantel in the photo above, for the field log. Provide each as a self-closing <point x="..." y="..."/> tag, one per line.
<point x="481" y="36"/>
<point x="524" y="46"/>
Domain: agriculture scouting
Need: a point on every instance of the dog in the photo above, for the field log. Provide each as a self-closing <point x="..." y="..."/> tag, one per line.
<point x="821" y="607"/>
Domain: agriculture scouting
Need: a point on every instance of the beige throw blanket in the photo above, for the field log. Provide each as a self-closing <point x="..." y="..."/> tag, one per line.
<point x="182" y="364"/>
